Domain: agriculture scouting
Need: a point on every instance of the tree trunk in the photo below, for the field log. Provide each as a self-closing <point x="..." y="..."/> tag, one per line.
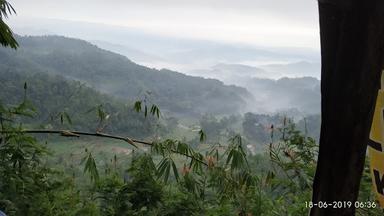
<point x="352" y="38"/>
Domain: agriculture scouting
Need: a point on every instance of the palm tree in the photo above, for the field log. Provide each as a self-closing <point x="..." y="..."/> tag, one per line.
<point x="6" y="35"/>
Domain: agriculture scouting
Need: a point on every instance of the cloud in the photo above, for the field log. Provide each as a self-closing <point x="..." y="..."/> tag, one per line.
<point x="259" y="22"/>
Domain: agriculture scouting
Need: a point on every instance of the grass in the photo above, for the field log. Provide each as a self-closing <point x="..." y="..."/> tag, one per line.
<point x="75" y="147"/>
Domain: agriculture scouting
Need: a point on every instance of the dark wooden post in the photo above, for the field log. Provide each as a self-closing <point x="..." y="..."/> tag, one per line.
<point x="352" y="38"/>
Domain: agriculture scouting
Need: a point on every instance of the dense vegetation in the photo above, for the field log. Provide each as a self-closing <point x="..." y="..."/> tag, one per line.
<point x="170" y="179"/>
<point x="115" y="74"/>
<point x="71" y="104"/>
<point x="57" y="98"/>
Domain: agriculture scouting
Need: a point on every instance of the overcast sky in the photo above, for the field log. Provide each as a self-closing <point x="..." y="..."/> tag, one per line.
<point x="289" y="23"/>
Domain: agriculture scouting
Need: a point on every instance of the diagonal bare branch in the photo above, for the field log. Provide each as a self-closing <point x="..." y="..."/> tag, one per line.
<point x="72" y="133"/>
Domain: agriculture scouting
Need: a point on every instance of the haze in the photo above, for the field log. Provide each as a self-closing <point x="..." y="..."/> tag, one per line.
<point x="252" y="44"/>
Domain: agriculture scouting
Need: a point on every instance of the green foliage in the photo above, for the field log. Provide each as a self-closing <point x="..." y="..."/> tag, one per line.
<point x="236" y="154"/>
<point x="65" y="116"/>
<point x="141" y="194"/>
<point x="137" y="106"/>
<point x="90" y="166"/>
<point x="172" y="179"/>
<point x="202" y="135"/>
<point x="6" y="35"/>
<point x="164" y="168"/>
<point x="295" y="155"/>
<point x="367" y="194"/>
<point x="293" y="168"/>
<point x="154" y="110"/>
<point x="71" y="105"/>
<point x="181" y="203"/>
<point x="256" y="127"/>
<point x="27" y="185"/>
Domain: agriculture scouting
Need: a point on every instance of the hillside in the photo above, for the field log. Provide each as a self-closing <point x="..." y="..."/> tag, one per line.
<point x="271" y="93"/>
<point x="116" y="75"/>
<point x="296" y="93"/>
<point x="53" y="95"/>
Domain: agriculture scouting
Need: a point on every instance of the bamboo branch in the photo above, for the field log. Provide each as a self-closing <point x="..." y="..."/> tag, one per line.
<point x="71" y="133"/>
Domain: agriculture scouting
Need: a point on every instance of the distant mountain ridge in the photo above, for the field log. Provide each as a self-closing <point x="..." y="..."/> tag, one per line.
<point x="116" y="75"/>
<point x="174" y="92"/>
<point x="161" y="51"/>
<point x="271" y="89"/>
<point x="295" y="69"/>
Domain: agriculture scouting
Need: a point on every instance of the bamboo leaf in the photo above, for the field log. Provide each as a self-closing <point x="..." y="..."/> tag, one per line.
<point x="137" y="106"/>
<point x="203" y="136"/>
<point x="175" y="172"/>
<point x="91" y="168"/>
<point x="168" y="170"/>
<point x="68" y="118"/>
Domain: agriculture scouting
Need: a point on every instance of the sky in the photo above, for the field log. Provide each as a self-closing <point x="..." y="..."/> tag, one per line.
<point x="272" y="23"/>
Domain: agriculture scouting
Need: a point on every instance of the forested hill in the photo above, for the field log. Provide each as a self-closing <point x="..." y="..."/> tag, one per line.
<point x="116" y="75"/>
<point x="68" y="104"/>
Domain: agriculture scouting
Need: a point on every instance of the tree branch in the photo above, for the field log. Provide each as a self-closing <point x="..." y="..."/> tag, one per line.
<point x="71" y="133"/>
